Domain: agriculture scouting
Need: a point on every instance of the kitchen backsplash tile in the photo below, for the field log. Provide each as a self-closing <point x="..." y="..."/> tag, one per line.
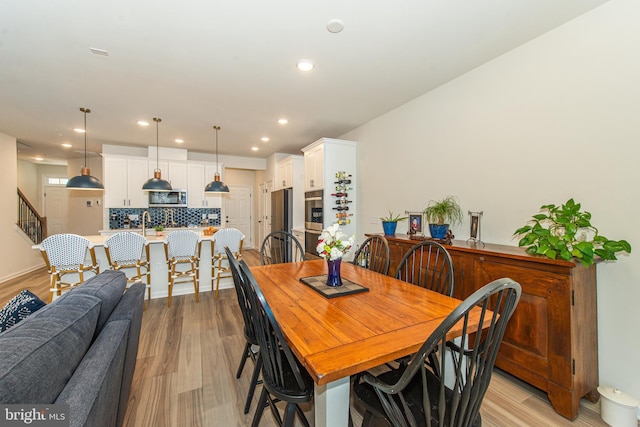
<point x="182" y="217"/>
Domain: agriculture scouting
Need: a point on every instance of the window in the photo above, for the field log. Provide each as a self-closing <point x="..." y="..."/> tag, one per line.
<point x="57" y="181"/>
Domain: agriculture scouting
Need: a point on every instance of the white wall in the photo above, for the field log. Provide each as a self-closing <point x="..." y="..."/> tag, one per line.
<point x="28" y="183"/>
<point x="553" y="119"/>
<point x="82" y="219"/>
<point x="16" y="255"/>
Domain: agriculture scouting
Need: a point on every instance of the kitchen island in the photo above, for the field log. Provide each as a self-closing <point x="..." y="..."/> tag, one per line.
<point x="159" y="279"/>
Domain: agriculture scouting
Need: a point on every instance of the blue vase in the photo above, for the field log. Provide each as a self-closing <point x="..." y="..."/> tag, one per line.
<point x="333" y="277"/>
<point x="389" y="227"/>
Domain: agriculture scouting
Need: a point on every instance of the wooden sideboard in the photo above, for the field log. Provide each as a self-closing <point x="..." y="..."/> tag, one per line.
<point x="551" y="341"/>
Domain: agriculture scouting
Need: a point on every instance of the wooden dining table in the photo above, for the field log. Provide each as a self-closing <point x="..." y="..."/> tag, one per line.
<point x="335" y="338"/>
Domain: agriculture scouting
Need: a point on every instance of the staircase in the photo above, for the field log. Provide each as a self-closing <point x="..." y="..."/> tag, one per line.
<point x="29" y="221"/>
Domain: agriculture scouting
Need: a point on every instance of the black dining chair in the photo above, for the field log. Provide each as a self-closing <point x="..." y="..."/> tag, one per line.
<point x="284" y="378"/>
<point x="373" y="254"/>
<point x="451" y="392"/>
<point x="427" y="264"/>
<point x="251" y="349"/>
<point x="280" y="247"/>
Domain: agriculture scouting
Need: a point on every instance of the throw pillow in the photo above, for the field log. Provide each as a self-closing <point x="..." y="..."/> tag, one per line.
<point x="19" y="308"/>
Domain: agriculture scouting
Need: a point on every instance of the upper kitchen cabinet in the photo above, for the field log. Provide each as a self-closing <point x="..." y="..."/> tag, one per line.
<point x="123" y="181"/>
<point x="174" y="172"/>
<point x="313" y="166"/>
<point x="198" y="176"/>
<point x="290" y="172"/>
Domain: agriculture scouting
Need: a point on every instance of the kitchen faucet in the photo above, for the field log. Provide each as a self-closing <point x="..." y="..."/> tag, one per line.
<point x="168" y="213"/>
<point x="145" y="214"/>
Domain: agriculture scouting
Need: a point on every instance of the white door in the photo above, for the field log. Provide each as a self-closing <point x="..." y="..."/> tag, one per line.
<point x="261" y="216"/>
<point x="237" y="211"/>
<point x="267" y="207"/>
<point x="56" y="199"/>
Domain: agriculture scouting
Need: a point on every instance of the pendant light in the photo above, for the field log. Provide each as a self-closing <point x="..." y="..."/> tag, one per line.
<point x="157" y="183"/>
<point x="216" y="186"/>
<point x="85" y="181"/>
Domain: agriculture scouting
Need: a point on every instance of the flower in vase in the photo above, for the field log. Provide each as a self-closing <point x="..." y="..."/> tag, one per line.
<point x="333" y="244"/>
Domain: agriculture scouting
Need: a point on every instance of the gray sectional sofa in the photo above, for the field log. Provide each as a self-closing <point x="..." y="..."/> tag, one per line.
<point x="79" y="350"/>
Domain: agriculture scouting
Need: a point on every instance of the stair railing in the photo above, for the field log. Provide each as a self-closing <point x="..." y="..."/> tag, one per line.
<point x="29" y="221"/>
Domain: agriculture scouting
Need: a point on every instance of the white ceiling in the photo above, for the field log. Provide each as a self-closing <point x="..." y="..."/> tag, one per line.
<point x="196" y="64"/>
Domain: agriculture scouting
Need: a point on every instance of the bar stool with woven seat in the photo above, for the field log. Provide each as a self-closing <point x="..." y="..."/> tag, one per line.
<point x="128" y="251"/>
<point x="65" y="254"/>
<point x="182" y="247"/>
<point x="225" y="237"/>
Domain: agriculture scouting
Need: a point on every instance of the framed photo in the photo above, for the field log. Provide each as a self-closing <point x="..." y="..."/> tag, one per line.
<point x="415" y="223"/>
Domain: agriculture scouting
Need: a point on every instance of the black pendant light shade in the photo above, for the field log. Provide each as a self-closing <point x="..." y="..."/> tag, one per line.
<point x="157" y="183"/>
<point x="85" y="181"/>
<point x="216" y="186"/>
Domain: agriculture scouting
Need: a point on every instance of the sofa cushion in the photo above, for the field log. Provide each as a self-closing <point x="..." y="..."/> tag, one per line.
<point x="109" y="287"/>
<point x="19" y="308"/>
<point x="129" y="309"/>
<point x="94" y="389"/>
<point x="39" y="354"/>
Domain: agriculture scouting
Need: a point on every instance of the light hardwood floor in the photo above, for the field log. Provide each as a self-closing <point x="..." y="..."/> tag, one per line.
<point x="189" y="353"/>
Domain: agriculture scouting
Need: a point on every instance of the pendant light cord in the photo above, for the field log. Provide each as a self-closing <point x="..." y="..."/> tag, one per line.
<point x="157" y="120"/>
<point x="85" y="111"/>
<point x="85" y="138"/>
<point x="217" y="128"/>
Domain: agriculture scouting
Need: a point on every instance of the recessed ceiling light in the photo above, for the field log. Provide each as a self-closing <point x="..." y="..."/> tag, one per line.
<point x="78" y="130"/>
<point x="305" y="65"/>
<point x="264" y="139"/>
<point x="283" y="121"/>
<point x="67" y="145"/>
<point x="179" y="141"/>
<point x="254" y="148"/>
<point x="39" y="159"/>
<point x="143" y="123"/>
<point x="335" y="25"/>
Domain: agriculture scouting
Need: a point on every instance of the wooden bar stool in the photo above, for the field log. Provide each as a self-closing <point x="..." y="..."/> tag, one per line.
<point x="130" y="252"/>
<point x="182" y="248"/>
<point x="225" y="237"/>
<point x="65" y="254"/>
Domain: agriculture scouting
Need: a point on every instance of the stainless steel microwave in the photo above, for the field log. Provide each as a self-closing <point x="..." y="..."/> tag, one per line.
<point x="168" y="199"/>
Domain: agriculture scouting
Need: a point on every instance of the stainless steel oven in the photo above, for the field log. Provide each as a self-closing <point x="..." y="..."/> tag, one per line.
<point x="313" y="221"/>
<point x="313" y="218"/>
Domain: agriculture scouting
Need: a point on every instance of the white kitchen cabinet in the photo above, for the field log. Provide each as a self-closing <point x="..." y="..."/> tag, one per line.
<point x="174" y="172"/>
<point x="299" y="234"/>
<point x="314" y="167"/>
<point x="123" y="181"/>
<point x="290" y="173"/>
<point x="285" y="173"/>
<point x="198" y="176"/>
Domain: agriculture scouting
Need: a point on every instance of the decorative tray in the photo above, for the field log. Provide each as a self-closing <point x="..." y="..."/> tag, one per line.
<point x="318" y="284"/>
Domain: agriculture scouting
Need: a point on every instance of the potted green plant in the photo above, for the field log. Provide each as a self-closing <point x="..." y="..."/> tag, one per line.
<point x="390" y="222"/>
<point x="442" y="214"/>
<point x="566" y="232"/>
<point x="159" y="230"/>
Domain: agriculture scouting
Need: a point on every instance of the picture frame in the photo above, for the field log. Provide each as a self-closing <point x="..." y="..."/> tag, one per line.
<point x="474" y="227"/>
<point x="415" y="223"/>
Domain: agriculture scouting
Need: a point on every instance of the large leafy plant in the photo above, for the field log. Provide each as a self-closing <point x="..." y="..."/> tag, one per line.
<point x="445" y="211"/>
<point x="566" y="232"/>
